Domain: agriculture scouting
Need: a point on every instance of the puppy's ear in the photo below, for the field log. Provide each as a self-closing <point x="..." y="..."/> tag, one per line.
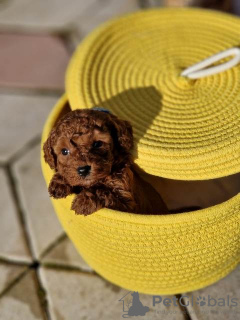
<point x="49" y="155"/>
<point x="123" y="131"/>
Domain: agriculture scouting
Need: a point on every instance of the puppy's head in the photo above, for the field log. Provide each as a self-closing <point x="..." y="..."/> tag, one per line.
<point x="85" y="145"/>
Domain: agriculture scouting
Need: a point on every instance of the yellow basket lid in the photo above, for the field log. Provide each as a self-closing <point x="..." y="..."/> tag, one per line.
<point x="183" y="129"/>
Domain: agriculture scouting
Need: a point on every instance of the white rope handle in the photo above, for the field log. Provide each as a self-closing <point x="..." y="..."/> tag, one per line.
<point x="198" y="70"/>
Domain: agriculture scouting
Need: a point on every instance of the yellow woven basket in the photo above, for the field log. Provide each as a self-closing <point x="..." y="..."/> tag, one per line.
<point x="183" y="129"/>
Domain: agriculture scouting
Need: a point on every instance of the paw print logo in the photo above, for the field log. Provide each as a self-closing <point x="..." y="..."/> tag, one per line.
<point x="201" y="301"/>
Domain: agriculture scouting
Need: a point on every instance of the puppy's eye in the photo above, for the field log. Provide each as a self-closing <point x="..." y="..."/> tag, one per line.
<point x="65" y="151"/>
<point x="97" y="144"/>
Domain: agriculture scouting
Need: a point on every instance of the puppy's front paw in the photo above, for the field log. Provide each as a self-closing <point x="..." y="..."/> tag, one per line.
<point x="58" y="189"/>
<point x="85" y="203"/>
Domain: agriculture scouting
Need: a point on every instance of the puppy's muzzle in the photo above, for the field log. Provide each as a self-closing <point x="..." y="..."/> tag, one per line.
<point x="84" y="171"/>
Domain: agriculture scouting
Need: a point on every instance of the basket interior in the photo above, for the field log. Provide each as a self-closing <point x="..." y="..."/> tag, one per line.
<point x="179" y="194"/>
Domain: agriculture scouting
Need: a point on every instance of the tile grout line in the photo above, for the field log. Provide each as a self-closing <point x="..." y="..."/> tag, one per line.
<point x="60" y="266"/>
<point x="66" y="32"/>
<point x="183" y="309"/>
<point x="27" y="147"/>
<point x="13" y="283"/>
<point x="16" y="262"/>
<point x="18" y="154"/>
<point x="68" y="268"/>
<point x="51" y="92"/>
<point x="18" y="207"/>
<point x="27" y="238"/>
<point x="52" y="245"/>
<point x="42" y="291"/>
<point x="65" y="37"/>
<point x="42" y="294"/>
<point x="143" y="4"/>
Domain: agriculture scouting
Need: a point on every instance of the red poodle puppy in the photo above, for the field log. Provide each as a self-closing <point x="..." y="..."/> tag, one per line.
<point x="89" y="149"/>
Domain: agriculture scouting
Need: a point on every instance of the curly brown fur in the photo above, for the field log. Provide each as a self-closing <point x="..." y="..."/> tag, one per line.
<point x="90" y="152"/>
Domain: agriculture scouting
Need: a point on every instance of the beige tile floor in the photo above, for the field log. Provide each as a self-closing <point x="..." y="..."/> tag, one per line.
<point x="41" y="274"/>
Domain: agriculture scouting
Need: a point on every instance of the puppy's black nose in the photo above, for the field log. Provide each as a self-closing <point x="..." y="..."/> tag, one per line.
<point x="83" y="171"/>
